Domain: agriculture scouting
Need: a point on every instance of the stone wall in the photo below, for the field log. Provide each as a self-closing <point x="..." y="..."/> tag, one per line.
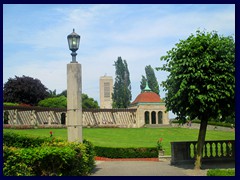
<point x="91" y="117"/>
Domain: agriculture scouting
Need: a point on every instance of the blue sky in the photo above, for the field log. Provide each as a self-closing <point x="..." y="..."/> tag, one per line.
<point x="35" y="38"/>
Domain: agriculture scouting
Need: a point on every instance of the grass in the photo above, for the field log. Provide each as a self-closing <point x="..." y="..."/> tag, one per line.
<point x="132" y="137"/>
<point x="221" y="172"/>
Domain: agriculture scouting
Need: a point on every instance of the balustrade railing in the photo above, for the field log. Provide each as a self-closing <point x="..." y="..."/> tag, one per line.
<point x="212" y="150"/>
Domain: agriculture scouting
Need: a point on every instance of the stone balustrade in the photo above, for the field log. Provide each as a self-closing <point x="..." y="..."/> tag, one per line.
<point x="183" y="152"/>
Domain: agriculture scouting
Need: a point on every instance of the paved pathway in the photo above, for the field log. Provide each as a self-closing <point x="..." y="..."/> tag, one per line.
<point x="144" y="168"/>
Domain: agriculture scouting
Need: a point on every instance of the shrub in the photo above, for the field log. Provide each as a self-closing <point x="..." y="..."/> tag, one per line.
<point x="111" y="152"/>
<point x="54" y="102"/>
<point x="214" y="123"/>
<point x="20" y="141"/>
<point x="10" y="104"/>
<point x="221" y="172"/>
<point x="30" y="156"/>
<point x="12" y="165"/>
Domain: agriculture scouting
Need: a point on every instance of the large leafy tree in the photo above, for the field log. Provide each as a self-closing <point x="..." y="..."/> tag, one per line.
<point x="122" y="86"/>
<point x="151" y="79"/>
<point x="201" y="82"/>
<point x="24" y="90"/>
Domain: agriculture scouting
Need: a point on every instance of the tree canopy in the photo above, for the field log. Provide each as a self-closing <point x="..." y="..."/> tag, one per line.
<point x="151" y="79"/>
<point x="122" y="86"/>
<point x="24" y="90"/>
<point x="201" y="82"/>
<point x="202" y="76"/>
<point x="60" y="101"/>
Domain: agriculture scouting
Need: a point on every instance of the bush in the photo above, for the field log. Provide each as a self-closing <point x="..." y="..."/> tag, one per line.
<point x="46" y="157"/>
<point x="10" y="104"/>
<point x="111" y="152"/>
<point x="54" y="102"/>
<point x="20" y="141"/>
<point x="213" y="123"/>
<point x="221" y="172"/>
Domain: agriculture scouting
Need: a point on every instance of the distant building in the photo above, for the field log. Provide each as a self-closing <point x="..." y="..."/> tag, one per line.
<point x="150" y="108"/>
<point x="106" y="90"/>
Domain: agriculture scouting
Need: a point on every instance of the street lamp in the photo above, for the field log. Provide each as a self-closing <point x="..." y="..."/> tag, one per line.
<point x="73" y="43"/>
<point x="74" y="92"/>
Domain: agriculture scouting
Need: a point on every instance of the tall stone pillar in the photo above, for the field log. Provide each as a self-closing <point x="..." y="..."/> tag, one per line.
<point x="74" y="102"/>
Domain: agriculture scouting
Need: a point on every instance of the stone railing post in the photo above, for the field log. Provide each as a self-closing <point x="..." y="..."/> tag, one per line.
<point x="180" y="152"/>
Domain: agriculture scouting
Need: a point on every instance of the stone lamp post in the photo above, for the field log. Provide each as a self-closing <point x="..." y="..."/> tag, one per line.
<point x="74" y="92"/>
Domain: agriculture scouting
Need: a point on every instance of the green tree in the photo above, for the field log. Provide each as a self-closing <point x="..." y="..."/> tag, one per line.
<point x="143" y="83"/>
<point x="201" y="82"/>
<point x="60" y="101"/>
<point x="122" y="86"/>
<point x="88" y="102"/>
<point x="151" y="79"/>
<point x="54" y="102"/>
<point x="52" y="93"/>
<point x="63" y="93"/>
<point x="25" y="90"/>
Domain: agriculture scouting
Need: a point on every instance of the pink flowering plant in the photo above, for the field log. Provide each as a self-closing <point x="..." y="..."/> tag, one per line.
<point x="159" y="144"/>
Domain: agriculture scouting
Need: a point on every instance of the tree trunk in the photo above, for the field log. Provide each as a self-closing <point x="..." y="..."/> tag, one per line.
<point x="200" y="144"/>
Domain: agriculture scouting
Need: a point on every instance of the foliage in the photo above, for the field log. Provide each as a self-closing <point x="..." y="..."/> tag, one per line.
<point x="48" y="158"/>
<point x="54" y="102"/>
<point x="88" y="102"/>
<point x="151" y="79"/>
<point x="202" y="79"/>
<point x="10" y="104"/>
<point x="221" y="172"/>
<point x="159" y="144"/>
<point x="214" y="123"/>
<point x="118" y="152"/>
<point x="24" y="90"/>
<point x="21" y="141"/>
<point x="122" y="86"/>
<point x="143" y="83"/>
<point x="201" y="83"/>
<point x="52" y="93"/>
<point x="60" y="101"/>
<point x="63" y="93"/>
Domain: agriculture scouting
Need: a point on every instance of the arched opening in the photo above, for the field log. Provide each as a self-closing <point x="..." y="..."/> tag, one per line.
<point x="63" y="118"/>
<point x="146" y="117"/>
<point x="160" y="117"/>
<point x="153" y="114"/>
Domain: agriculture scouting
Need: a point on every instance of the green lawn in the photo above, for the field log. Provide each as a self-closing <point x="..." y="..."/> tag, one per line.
<point x="132" y="137"/>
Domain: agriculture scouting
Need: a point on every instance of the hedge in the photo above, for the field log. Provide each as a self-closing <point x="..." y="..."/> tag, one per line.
<point x="11" y="139"/>
<point x="209" y="123"/>
<point x="221" y="172"/>
<point x="36" y="157"/>
<point x="114" y="152"/>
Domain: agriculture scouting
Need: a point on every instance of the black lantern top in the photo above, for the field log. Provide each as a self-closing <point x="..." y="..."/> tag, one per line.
<point x="73" y="41"/>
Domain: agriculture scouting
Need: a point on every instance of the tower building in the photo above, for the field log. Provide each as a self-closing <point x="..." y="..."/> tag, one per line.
<point x="106" y="90"/>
